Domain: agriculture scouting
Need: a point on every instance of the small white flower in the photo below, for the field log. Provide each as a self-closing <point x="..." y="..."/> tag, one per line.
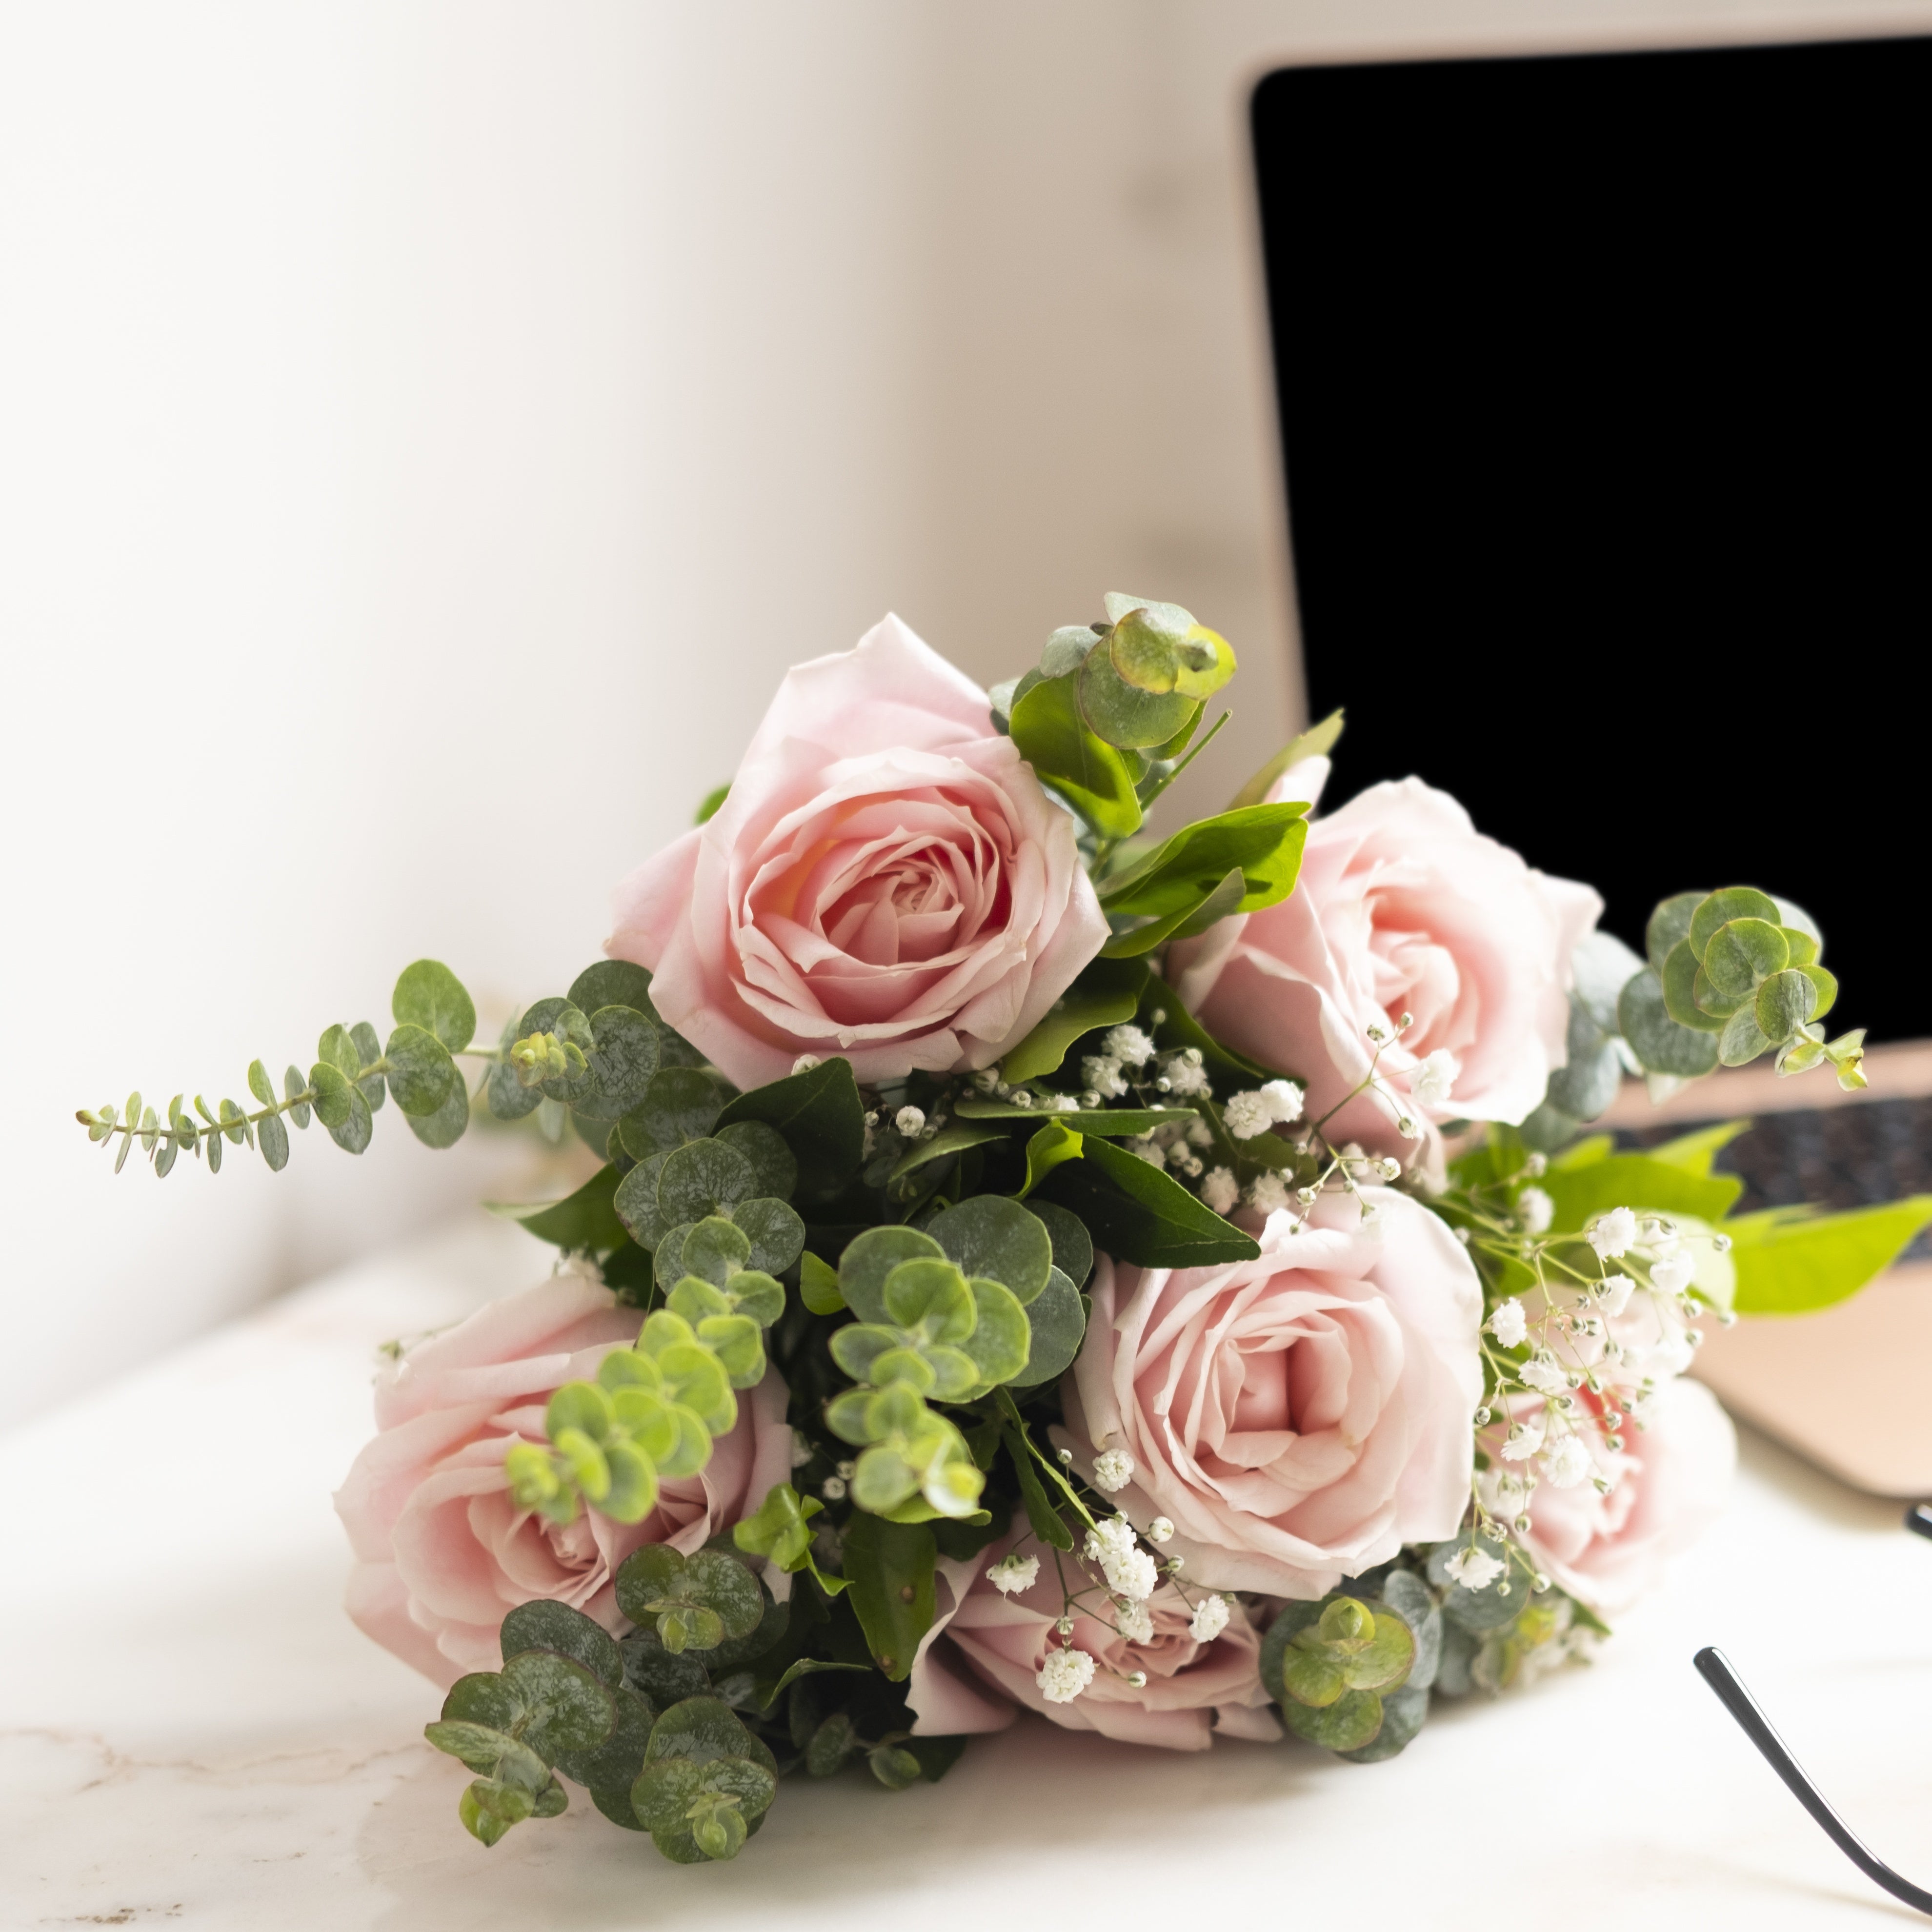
<point x="1566" y="1462"/>
<point x="1536" y="1166"/>
<point x="1613" y="1293"/>
<point x="1525" y="1439"/>
<point x="1103" y="1076"/>
<point x="1508" y="1324"/>
<point x="1064" y="1675"/>
<point x="1220" y="1190"/>
<point x="1672" y="1274"/>
<point x="1185" y="1077"/>
<point x="1211" y="1619"/>
<point x="1432" y="1082"/>
<point x="1014" y="1572"/>
<point x="833" y="1488"/>
<point x="1535" y="1210"/>
<point x="1148" y="1150"/>
<point x="910" y="1121"/>
<point x="1474" y="1567"/>
<point x="1113" y="1469"/>
<point x="1129" y="1045"/>
<point x="1546" y="1378"/>
<point x="1284" y="1099"/>
<point x="802" y="1450"/>
<point x="986" y="1079"/>
<point x="1246" y="1115"/>
<point x="1159" y="1531"/>
<point x="1269" y="1194"/>
<point x="1129" y="1570"/>
<point x="1136" y="1623"/>
<point x="1613" y="1233"/>
<point x="806" y="1062"/>
<point x="1200" y="1134"/>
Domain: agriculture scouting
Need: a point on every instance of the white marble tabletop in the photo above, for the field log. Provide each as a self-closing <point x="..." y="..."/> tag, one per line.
<point x="191" y="1733"/>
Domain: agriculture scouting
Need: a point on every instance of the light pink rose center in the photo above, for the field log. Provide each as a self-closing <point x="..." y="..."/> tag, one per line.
<point x="880" y="898"/>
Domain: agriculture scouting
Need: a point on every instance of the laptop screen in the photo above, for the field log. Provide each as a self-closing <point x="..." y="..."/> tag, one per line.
<point x="1603" y="382"/>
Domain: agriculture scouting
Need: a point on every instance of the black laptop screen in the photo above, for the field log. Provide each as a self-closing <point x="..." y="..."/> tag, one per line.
<point x="1603" y="384"/>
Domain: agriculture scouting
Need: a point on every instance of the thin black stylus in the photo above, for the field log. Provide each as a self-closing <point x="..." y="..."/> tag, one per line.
<point x="1714" y="1668"/>
<point x="1919" y="1517"/>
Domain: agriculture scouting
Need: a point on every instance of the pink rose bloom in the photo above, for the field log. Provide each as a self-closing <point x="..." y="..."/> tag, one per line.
<point x="887" y="881"/>
<point x="1668" y="1484"/>
<point x="1298" y="1417"/>
<point x="1402" y="906"/>
<point x="443" y="1553"/>
<point x="981" y="1638"/>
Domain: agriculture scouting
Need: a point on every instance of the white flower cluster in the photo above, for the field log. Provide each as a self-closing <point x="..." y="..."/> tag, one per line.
<point x="1064" y="1675"/>
<point x="1113" y="1469"/>
<point x="1273" y="1105"/>
<point x="1210" y="1618"/>
<point x="1129" y="1570"/>
<point x="1430" y="1084"/>
<point x="1014" y="1572"/>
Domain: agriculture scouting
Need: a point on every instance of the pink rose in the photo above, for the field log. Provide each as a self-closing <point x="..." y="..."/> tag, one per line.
<point x="1402" y="907"/>
<point x="442" y="1553"/>
<point x="887" y="881"/>
<point x="1668" y="1484"/>
<point x="1193" y="1689"/>
<point x="1297" y="1417"/>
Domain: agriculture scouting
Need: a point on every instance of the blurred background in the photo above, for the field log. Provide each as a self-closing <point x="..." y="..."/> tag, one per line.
<point x="427" y="430"/>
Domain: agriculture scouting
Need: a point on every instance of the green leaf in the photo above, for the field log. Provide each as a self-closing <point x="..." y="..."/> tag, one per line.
<point x="1694" y="1152"/>
<point x="1637" y="1180"/>
<point x="1742" y="1039"/>
<point x="619" y="1063"/>
<point x="1669" y="926"/>
<point x="566" y="1708"/>
<point x="1660" y="1043"/>
<point x="1110" y="1123"/>
<point x="1138" y="1213"/>
<point x="954" y="1137"/>
<point x="429" y="995"/>
<point x="293" y="1084"/>
<point x="777" y="1234"/>
<point x="1054" y="1143"/>
<point x="339" y="1050"/>
<point x="586" y="1219"/>
<point x="822" y="1119"/>
<point x="546" y="1625"/>
<point x="420" y="1071"/>
<point x="1118" y="714"/>
<point x="1041" y="1515"/>
<point x="1784" y="1002"/>
<point x="353" y="1134"/>
<point x="1263" y="842"/>
<point x="259" y="1084"/>
<point x="1105" y="995"/>
<point x="1056" y="1325"/>
<point x="1790" y="1261"/>
<point x="888" y="1571"/>
<point x="708" y="806"/>
<point x="869" y="1258"/>
<point x="1317" y="742"/>
<point x="274" y="1140"/>
<point x="991" y="1236"/>
<point x="1742" y="952"/>
<point x="1051" y="734"/>
<point x="448" y="1124"/>
<point x="370" y="1048"/>
<point x="774" y="1171"/>
<point x="1002" y="1338"/>
<point x="1720" y="907"/>
<point x="818" y="1285"/>
<point x="1072" y="1247"/>
<point x="682" y="1104"/>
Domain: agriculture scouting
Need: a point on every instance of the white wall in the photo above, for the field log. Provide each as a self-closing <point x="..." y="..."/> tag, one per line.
<point x="427" y="430"/>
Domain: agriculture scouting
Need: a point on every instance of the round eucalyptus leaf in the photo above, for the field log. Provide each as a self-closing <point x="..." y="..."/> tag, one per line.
<point x="1710" y="999"/>
<point x="274" y="1140"/>
<point x="722" y="1584"/>
<point x="636" y="1202"/>
<point x="429" y="995"/>
<point x="547" y="1625"/>
<point x="353" y="1135"/>
<point x="1679" y="978"/>
<point x="1117" y="713"/>
<point x="1404" y="1713"/>
<point x="1827" y="984"/>
<point x="1784" y="1002"/>
<point x="1058" y="1320"/>
<point x="618" y="1068"/>
<point x="1352" y="1723"/>
<point x="450" y="1122"/>
<point x="482" y="1698"/>
<point x="715" y="1250"/>
<point x="1404" y="1593"/>
<point x="1658" y="1041"/>
<point x="774" y="1171"/>
<point x="615" y="1763"/>
<point x="1741" y="953"/>
<point x="1587" y="1080"/>
<point x="931" y="1296"/>
<point x="698" y="1179"/>
<point x="1742" y="1039"/>
<point x="663" y="1792"/>
<point x="681" y="1104"/>
<point x="571" y="1711"/>
<point x="506" y="1096"/>
<point x="777" y="1234"/>
<point x="1072" y="1246"/>
<point x="1720" y="907"/>
<point x="369" y="1050"/>
<point x="1002" y="1337"/>
<point x="869" y="1258"/>
<point x="483" y="1747"/>
<point x="420" y="1071"/>
<point x="1669" y="926"/>
<point x="991" y="1236"/>
<point x="702" y="1730"/>
<point x="611" y="982"/>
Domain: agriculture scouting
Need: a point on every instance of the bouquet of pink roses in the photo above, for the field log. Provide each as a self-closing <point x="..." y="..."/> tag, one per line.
<point x="1158" y="1283"/>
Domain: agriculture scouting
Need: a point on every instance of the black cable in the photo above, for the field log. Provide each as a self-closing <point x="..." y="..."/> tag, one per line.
<point x="1715" y="1669"/>
<point x="1919" y="1517"/>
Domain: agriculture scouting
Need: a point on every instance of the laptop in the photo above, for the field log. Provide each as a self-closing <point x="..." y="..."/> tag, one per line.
<point x="1602" y="375"/>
